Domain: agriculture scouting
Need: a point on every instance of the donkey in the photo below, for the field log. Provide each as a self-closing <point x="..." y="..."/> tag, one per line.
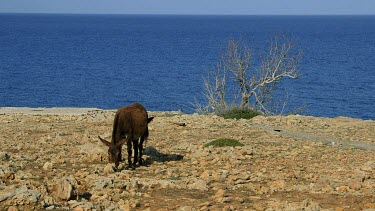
<point x="129" y="126"/>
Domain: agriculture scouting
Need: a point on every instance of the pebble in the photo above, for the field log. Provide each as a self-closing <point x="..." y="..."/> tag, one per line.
<point x="109" y="168"/>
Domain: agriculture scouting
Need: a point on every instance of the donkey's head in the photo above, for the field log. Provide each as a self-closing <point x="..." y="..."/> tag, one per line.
<point x="114" y="150"/>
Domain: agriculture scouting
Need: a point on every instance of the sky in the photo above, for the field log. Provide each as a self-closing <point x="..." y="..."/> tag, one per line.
<point x="192" y="7"/>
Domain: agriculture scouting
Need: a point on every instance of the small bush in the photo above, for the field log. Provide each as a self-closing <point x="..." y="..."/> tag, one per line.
<point x="224" y="142"/>
<point x="239" y="113"/>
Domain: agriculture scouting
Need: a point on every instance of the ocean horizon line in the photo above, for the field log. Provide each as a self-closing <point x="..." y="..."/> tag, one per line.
<point x="172" y="14"/>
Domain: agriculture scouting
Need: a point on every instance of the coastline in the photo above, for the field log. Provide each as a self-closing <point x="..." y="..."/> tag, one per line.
<point x="51" y="110"/>
<point x="85" y="110"/>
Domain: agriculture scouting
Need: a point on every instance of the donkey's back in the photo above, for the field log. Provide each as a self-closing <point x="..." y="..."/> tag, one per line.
<point x="131" y="121"/>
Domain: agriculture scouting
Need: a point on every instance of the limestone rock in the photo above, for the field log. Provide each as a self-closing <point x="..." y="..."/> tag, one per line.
<point x="66" y="188"/>
<point x="94" y="152"/>
<point x="109" y="168"/>
<point x="22" y="197"/>
<point x="48" y="201"/>
<point x="186" y="208"/>
<point x="103" y="183"/>
<point x="198" y="184"/>
<point x="47" y="166"/>
<point x="12" y="208"/>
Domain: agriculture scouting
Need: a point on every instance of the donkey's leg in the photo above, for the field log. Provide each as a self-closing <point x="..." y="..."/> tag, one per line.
<point x="120" y="154"/>
<point x="135" y="145"/>
<point x="141" y="149"/>
<point x="129" y="145"/>
<point x="120" y="149"/>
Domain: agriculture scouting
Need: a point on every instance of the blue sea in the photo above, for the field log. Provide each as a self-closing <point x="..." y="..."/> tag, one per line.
<point x="107" y="61"/>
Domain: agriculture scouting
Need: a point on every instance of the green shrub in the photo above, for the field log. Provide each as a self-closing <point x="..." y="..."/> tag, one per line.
<point x="239" y="113"/>
<point x="224" y="142"/>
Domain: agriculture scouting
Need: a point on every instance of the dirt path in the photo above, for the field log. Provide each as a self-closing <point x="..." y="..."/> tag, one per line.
<point x="299" y="135"/>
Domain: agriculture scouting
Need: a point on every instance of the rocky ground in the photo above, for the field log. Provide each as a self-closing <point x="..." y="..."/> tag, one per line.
<point x="54" y="161"/>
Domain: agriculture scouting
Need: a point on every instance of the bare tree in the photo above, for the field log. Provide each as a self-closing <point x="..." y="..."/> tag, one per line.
<point x="215" y="91"/>
<point x="255" y="85"/>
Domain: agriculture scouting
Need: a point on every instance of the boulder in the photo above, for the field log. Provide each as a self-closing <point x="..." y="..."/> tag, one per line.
<point x="66" y="188"/>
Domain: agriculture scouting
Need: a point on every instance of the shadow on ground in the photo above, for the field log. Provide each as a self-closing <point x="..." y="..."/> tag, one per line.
<point x="157" y="156"/>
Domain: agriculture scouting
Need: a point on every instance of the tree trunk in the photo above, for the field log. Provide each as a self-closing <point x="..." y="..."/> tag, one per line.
<point x="244" y="99"/>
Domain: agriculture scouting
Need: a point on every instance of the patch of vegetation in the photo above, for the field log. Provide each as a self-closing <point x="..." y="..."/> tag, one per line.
<point x="224" y="142"/>
<point x="5" y="156"/>
<point x="239" y="113"/>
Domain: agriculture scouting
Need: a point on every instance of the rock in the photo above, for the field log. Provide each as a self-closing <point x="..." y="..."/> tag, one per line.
<point x="47" y="166"/>
<point x="260" y="206"/>
<point x="205" y="204"/>
<point x="81" y="205"/>
<point x="48" y="201"/>
<point x="25" y="197"/>
<point x="310" y="205"/>
<point x="222" y="197"/>
<point x="124" y="205"/>
<point x="226" y="200"/>
<point x="206" y="175"/>
<point x="134" y="203"/>
<point x="109" y="168"/>
<point x="278" y="185"/>
<point x="93" y="152"/>
<point x="229" y="208"/>
<point x="66" y="188"/>
<point x="12" y="208"/>
<point x="104" y="183"/>
<point x="52" y="207"/>
<point x="370" y="206"/>
<point x="155" y="183"/>
<point x="185" y="208"/>
<point x="224" y="175"/>
<point x="134" y="185"/>
<point x="240" y="199"/>
<point x="7" y="177"/>
<point x="355" y="185"/>
<point x="293" y="121"/>
<point x="4" y="156"/>
<point x="369" y="166"/>
<point x="197" y="184"/>
<point x="217" y="177"/>
<point x="342" y="189"/>
<point x="220" y="193"/>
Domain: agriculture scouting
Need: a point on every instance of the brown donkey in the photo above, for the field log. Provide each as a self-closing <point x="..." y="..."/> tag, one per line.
<point x="129" y="126"/>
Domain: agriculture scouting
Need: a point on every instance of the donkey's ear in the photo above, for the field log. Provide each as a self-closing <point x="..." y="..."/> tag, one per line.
<point x="121" y="142"/>
<point x="107" y="143"/>
<point x="149" y="119"/>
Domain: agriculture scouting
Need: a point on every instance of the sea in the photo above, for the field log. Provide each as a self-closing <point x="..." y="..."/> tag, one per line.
<point x="161" y="61"/>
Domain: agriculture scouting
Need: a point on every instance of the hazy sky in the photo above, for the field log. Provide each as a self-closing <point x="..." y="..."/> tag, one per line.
<point x="234" y="7"/>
